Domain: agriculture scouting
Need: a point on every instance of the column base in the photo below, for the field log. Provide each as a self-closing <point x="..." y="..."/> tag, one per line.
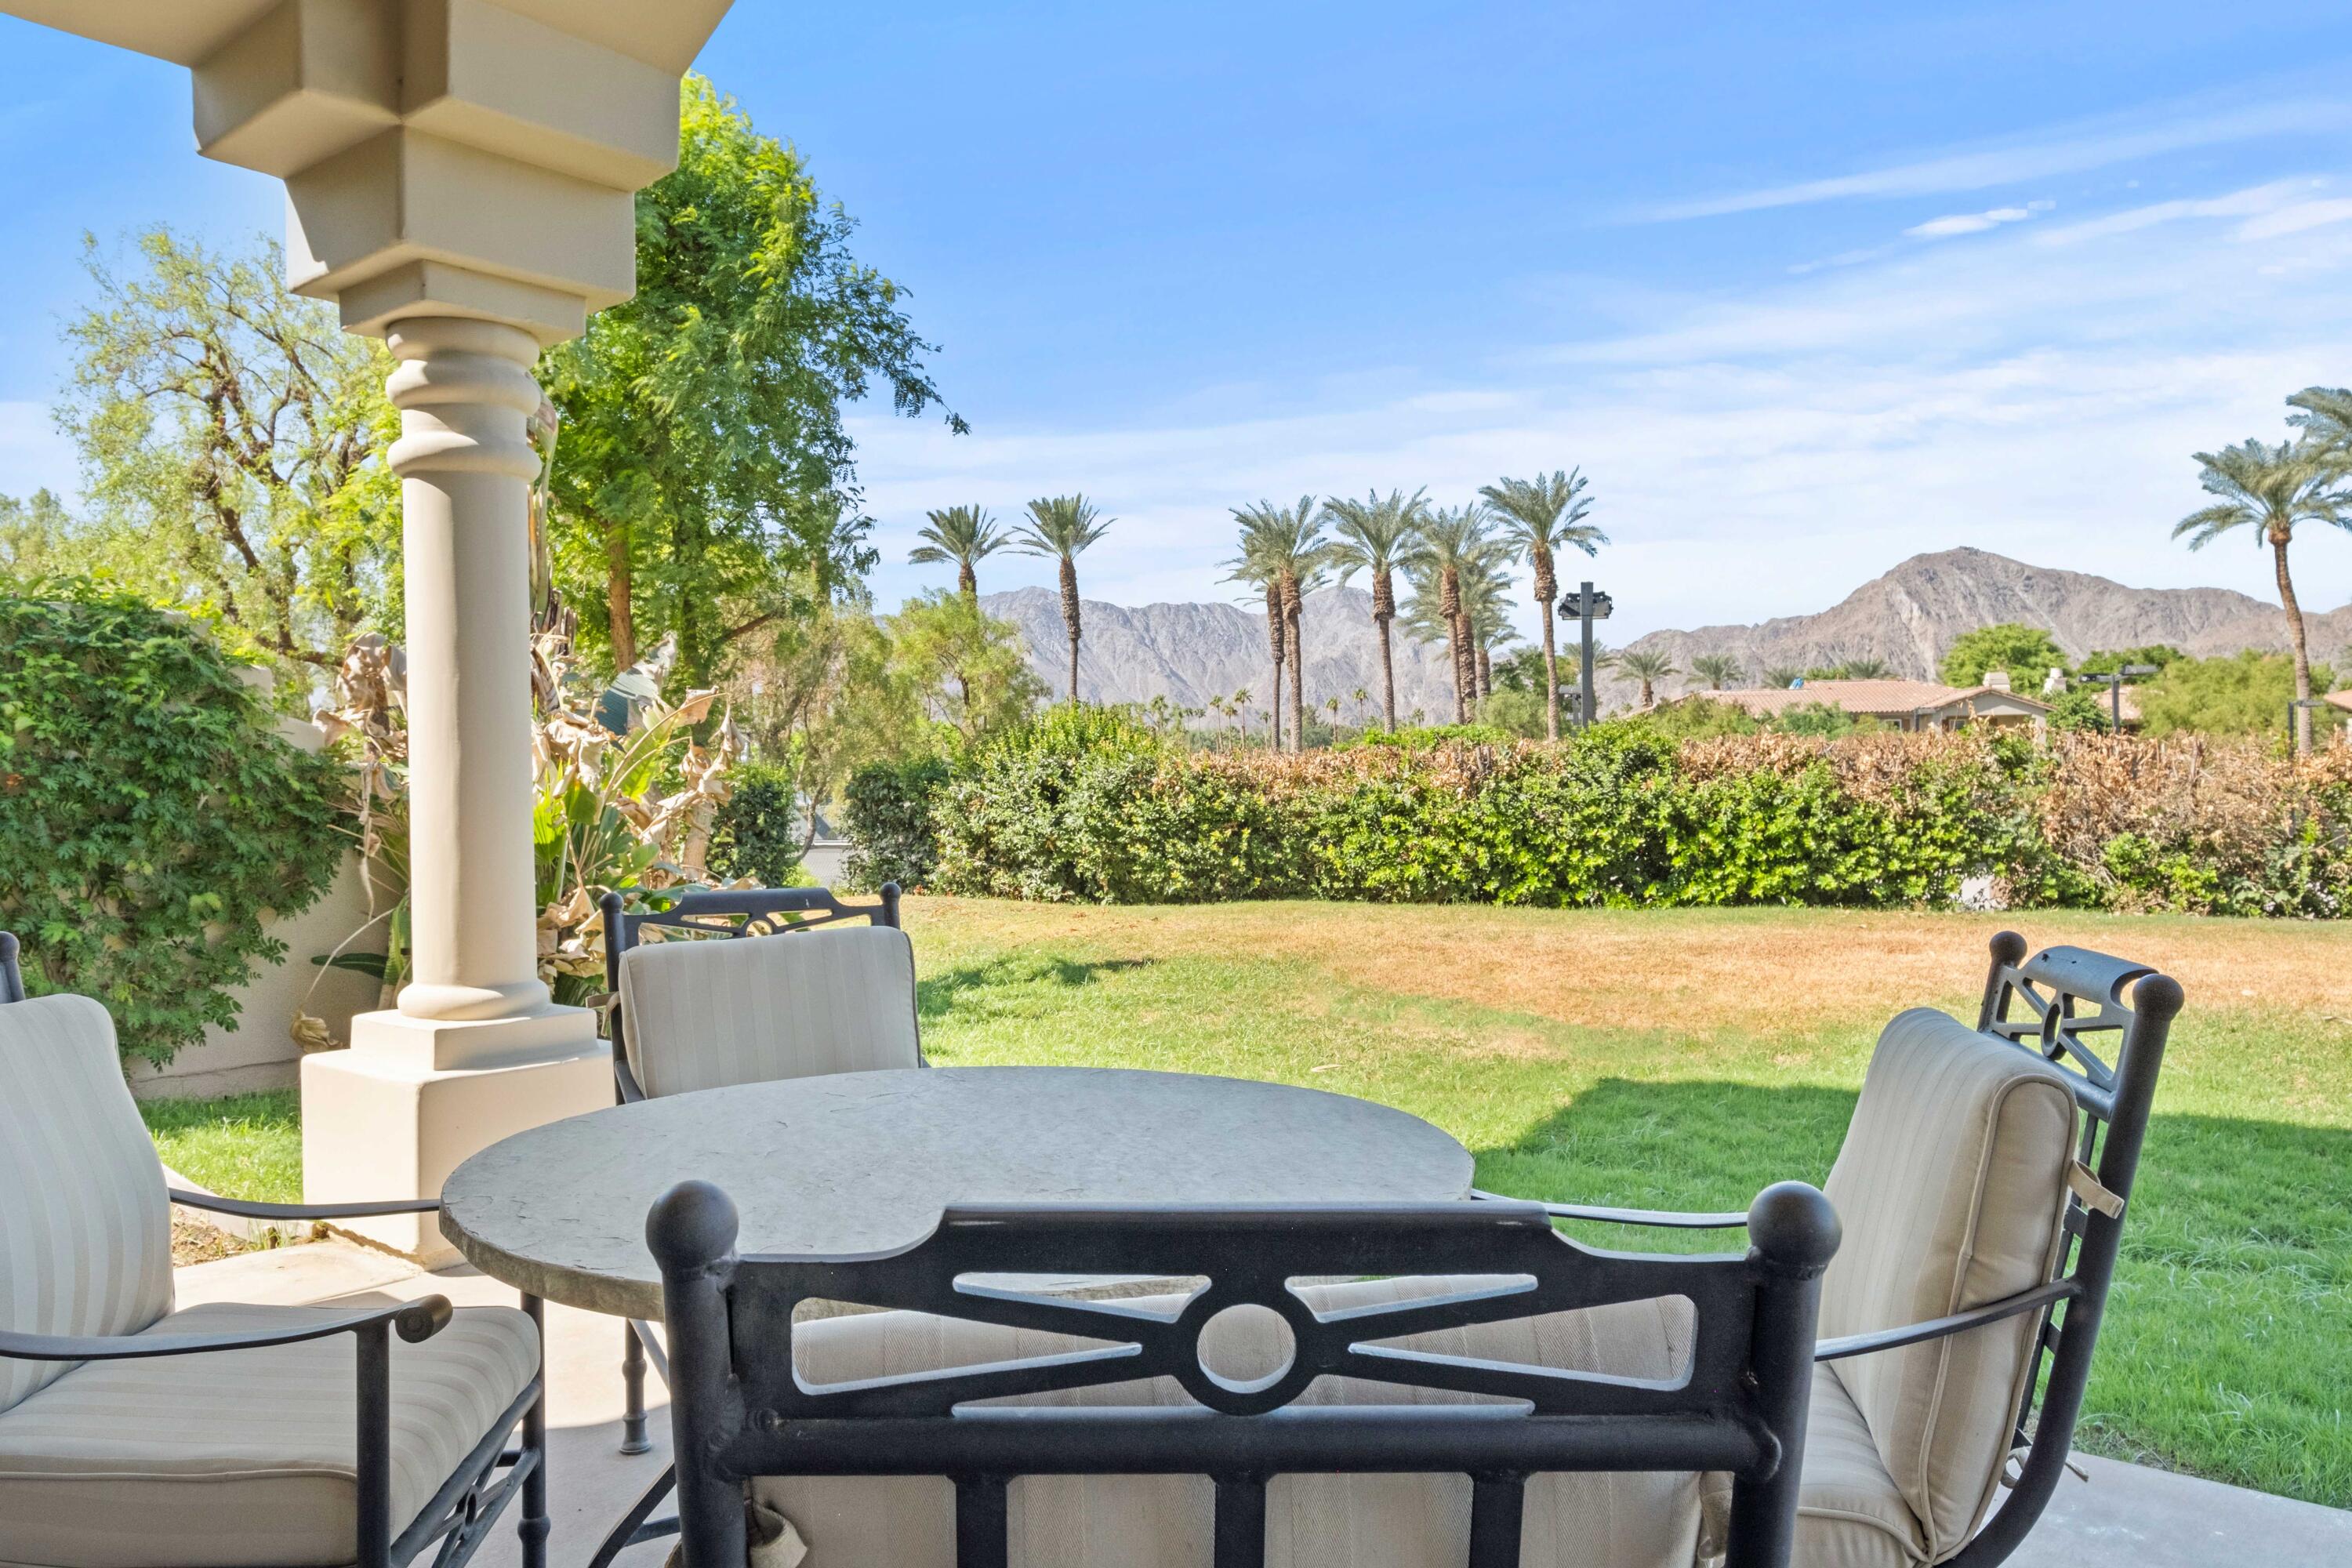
<point x="391" y="1117"/>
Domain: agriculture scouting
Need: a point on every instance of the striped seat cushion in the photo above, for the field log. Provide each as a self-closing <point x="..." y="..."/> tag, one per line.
<point x="242" y="1458"/>
<point x="1578" y="1520"/>
<point x="85" y="1227"/>
<point x="710" y="1014"/>
<point x="1950" y="1185"/>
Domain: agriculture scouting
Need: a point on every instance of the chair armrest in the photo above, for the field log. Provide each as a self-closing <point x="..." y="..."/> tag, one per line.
<point x="1937" y="1328"/>
<point x="244" y="1209"/>
<point x="415" y="1321"/>
<point x="1668" y="1219"/>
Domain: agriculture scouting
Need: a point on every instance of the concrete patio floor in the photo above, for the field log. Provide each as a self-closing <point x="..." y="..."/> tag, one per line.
<point x="2124" y="1516"/>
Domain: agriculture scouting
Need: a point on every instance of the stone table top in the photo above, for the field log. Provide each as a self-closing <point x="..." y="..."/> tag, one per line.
<point x="853" y="1163"/>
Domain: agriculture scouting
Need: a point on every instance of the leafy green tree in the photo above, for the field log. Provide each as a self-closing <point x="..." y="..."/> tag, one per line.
<point x="232" y="438"/>
<point x="1718" y="669"/>
<point x="1285" y="546"/>
<point x="2028" y="653"/>
<point x="2271" y="490"/>
<point x="1541" y="517"/>
<point x="1064" y="528"/>
<point x="1376" y="536"/>
<point x="2107" y="661"/>
<point x="1648" y="665"/>
<point x="151" y="815"/>
<point x="970" y="669"/>
<point x="2244" y="694"/>
<point x="1698" y="719"/>
<point x="38" y="538"/>
<point x="704" y="463"/>
<point x="963" y="536"/>
<point x="1821" y="720"/>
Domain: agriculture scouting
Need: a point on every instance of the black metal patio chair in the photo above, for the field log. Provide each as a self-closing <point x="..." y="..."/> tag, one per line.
<point x="2025" y="1341"/>
<point x="119" y="1415"/>
<point x="1145" y="1389"/>
<point x="704" y="1008"/>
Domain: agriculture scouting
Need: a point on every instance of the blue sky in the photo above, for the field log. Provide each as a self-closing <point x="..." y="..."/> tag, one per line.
<point x="1803" y="293"/>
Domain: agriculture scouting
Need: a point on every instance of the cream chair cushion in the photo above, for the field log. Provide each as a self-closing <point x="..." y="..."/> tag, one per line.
<point x="242" y="1458"/>
<point x="85" y="1227"/>
<point x="1950" y="1187"/>
<point x="1572" y="1520"/>
<point x="1849" y="1513"/>
<point x="706" y="1013"/>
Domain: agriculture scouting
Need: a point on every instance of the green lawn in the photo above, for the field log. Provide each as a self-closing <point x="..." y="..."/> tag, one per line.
<point x="2228" y="1350"/>
<point x="1687" y="1059"/>
<point x="246" y="1146"/>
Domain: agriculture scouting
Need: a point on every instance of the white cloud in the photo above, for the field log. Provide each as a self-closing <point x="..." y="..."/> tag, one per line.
<point x="2061" y="150"/>
<point x="2296" y="219"/>
<point x="1765" y="454"/>
<point x="1974" y="223"/>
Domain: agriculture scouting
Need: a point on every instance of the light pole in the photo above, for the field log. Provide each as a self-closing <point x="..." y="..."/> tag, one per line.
<point x="1587" y="606"/>
<point x="2114" y="681"/>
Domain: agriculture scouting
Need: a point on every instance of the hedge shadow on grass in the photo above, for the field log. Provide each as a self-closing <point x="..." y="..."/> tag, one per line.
<point x="937" y="994"/>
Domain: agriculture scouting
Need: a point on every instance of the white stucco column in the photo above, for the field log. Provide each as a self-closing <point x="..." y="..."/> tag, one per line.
<point x="476" y="1049"/>
<point x="460" y="181"/>
<point x="464" y="389"/>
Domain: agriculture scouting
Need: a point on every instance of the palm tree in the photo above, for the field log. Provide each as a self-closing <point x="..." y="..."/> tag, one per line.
<point x="965" y="535"/>
<point x="1862" y="670"/>
<point x="1648" y="665"/>
<point x="1540" y="516"/>
<point x="1454" y="545"/>
<point x="1252" y="570"/>
<point x="1376" y="535"/>
<point x="1780" y="676"/>
<point x="1284" y="548"/>
<point x="1719" y="670"/>
<point x="2271" y="489"/>
<point x="1063" y="527"/>
<point x="1484" y="595"/>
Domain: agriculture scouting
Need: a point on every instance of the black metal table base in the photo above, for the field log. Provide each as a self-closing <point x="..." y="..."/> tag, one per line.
<point x="638" y="1525"/>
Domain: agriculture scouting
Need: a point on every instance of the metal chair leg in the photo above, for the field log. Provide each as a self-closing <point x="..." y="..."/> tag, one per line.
<point x="633" y="1391"/>
<point x="535" y="1525"/>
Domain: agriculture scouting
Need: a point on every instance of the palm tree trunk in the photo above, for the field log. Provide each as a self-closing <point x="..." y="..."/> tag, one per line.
<point x="1070" y="619"/>
<point x="967" y="580"/>
<point x="1551" y="678"/>
<point x="1388" y="674"/>
<point x="620" y="620"/>
<point x="1464" y="668"/>
<point x="1486" y="672"/>
<point x="1298" y="681"/>
<point x="2294" y="635"/>
<point x="1277" y="642"/>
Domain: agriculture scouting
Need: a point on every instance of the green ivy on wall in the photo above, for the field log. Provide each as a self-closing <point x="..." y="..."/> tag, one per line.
<point x="152" y="818"/>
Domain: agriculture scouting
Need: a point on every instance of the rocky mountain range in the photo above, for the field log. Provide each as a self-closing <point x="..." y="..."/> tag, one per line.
<point x="1906" y="618"/>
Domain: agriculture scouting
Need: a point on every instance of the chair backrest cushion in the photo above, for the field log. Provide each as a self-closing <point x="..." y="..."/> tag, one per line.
<point x="1641" y="1519"/>
<point x="1951" y="1185"/>
<point x="708" y="1013"/>
<point x="85" y="1227"/>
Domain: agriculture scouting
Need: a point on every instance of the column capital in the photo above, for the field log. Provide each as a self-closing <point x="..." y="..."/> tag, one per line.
<point x="463" y="388"/>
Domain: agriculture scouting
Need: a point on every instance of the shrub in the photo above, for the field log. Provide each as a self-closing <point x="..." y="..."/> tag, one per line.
<point x="152" y="818"/>
<point x="757" y="831"/>
<point x="888" y="811"/>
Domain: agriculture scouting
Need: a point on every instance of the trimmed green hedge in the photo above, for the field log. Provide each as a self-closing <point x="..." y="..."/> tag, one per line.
<point x="1621" y="817"/>
<point x="151" y="815"/>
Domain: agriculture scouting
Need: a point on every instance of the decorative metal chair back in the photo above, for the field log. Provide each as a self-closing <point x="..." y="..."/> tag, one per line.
<point x="11" y="979"/>
<point x="741" y="1410"/>
<point x="722" y="915"/>
<point x="2069" y="1005"/>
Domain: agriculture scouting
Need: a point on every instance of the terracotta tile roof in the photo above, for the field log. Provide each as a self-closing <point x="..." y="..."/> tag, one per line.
<point x="1870" y="698"/>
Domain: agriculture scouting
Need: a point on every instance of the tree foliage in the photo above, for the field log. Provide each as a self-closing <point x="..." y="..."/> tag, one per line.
<point x="152" y="820"/>
<point x="2244" y="694"/>
<point x="232" y="439"/>
<point x="705" y="486"/>
<point x="2028" y="653"/>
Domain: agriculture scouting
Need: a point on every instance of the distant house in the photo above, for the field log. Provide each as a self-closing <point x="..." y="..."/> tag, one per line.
<point x="1905" y="704"/>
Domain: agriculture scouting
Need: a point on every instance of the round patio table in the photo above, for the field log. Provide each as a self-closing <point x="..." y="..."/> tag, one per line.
<point x="853" y="1162"/>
